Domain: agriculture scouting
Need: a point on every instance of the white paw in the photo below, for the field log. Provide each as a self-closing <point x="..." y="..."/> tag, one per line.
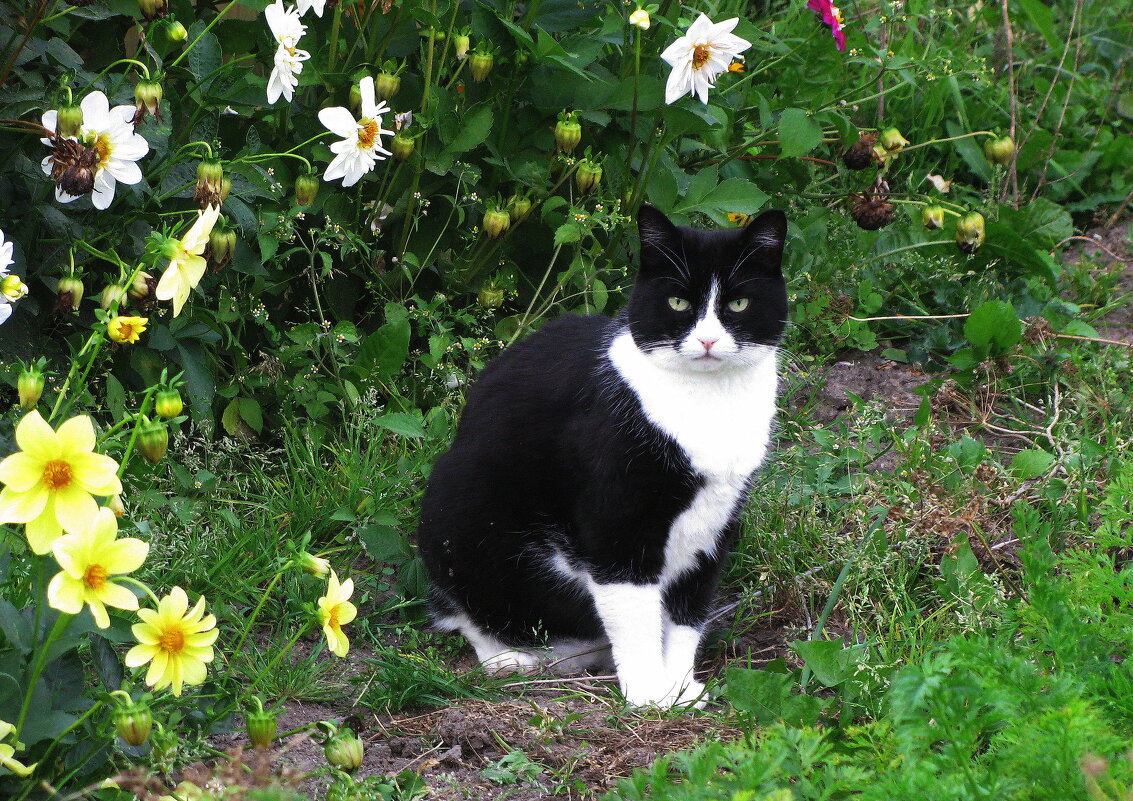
<point x="692" y="695"/>
<point x="664" y="694"/>
<point x="511" y="661"/>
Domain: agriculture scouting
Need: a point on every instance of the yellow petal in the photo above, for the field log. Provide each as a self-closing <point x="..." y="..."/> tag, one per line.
<point x="43" y="531"/>
<point x="140" y="654"/>
<point x="156" y="675"/>
<point x="150" y="616"/>
<point x="194" y="671"/>
<point x="95" y="473"/>
<point x="76" y="436"/>
<point x="201" y="639"/>
<point x="174" y="672"/>
<point x="174" y="604"/>
<point x="36" y="438"/>
<point x="74" y="508"/>
<point x="65" y="594"/>
<point x="21" y="471"/>
<point x="200" y="654"/>
<point x="346" y="612"/>
<point x="116" y="595"/>
<point x="68" y="551"/>
<point x="22" y="507"/>
<point x="125" y="555"/>
<point x="98" y="612"/>
<point x="168" y="284"/>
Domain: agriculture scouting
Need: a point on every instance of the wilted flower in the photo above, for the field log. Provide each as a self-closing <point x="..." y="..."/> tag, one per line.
<point x="186" y="264"/>
<point x="860" y="155"/>
<point x="938" y="183"/>
<point x="871" y="209"/>
<point x="70" y="292"/>
<point x="361" y="145"/>
<point x="126" y="330"/>
<point x="210" y="183"/>
<point x="50" y="481"/>
<point x="111" y="295"/>
<point x="287" y="30"/>
<point x="932" y="217"/>
<point x="335" y="611"/>
<point x="891" y="139"/>
<point x="153" y="9"/>
<point x="705" y="51"/>
<point x="88" y="560"/>
<point x="496" y="222"/>
<point x="832" y="17"/>
<point x="109" y="133"/>
<point x="176" y="641"/>
<point x="640" y="19"/>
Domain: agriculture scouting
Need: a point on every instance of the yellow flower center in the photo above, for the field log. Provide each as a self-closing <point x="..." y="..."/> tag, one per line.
<point x="172" y="640"/>
<point x="103" y="147"/>
<point x="368" y="134"/>
<point x="126" y="330"/>
<point x="332" y="617"/>
<point x="56" y="474"/>
<point x="95" y="576"/>
<point x="700" y="55"/>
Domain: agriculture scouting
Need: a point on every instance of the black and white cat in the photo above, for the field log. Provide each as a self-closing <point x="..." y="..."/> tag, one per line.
<point x="592" y="493"/>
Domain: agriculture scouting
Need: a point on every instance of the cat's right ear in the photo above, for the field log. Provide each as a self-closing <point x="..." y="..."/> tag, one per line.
<point x="656" y="231"/>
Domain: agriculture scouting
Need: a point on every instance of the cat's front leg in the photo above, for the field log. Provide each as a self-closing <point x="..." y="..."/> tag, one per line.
<point x="680" y="644"/>
<point x="633" y="618"/>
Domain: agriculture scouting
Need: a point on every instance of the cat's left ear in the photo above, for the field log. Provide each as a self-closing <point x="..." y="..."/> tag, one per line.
<point x="766" y="235"/>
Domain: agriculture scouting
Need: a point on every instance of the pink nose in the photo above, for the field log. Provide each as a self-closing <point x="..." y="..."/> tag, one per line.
<point x="708" y="343"/>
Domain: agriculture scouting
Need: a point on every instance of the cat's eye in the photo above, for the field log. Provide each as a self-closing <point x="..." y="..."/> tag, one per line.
<point x="678" y="304"/>
<point x="739" y="304"/>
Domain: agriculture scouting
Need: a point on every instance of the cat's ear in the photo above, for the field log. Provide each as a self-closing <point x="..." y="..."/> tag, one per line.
<point x="657" y="231"/>
<point x="766" y="235"/>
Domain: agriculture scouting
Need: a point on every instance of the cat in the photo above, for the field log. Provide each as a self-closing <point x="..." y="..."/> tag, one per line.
<point x="592" y="492"/>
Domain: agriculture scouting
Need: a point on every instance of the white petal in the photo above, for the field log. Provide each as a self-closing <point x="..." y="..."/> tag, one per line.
<point x="339" y="120"/>
<point x="126" y="172"/>
<point x="366" y="90"/>
<point x="5" y="310"/>
<point x="96" y="110"/>
<point x="50" y="119"/>
<point x="677" y="52"/>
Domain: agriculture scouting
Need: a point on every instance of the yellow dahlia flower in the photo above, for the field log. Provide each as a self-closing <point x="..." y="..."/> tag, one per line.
<point x="88" y="560"/>
<point x="8" y="751"/>
<point x="335" y="610"/>
<point x="186" y="264"/>
<point x="126" y="329"/>
<point x="50" y="480"/>
<point x="176" y="641"/>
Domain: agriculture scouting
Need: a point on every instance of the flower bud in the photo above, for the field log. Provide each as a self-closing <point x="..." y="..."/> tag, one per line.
<point x="518" y="206"/>
<point x="932" y="217"/>
<point x="891" y="139"/>
<point x="168" y="403"/>
<point x="153" y="440"/>
<point x="402" y="146"/>
<point x="262" y="726"/>
<point x="30" y="386"/>
<point x="588" y="176"/>
<point x="222" y="246"/>
<point x="176" y="32"/>
<point x="386" y="85"/>
<point x="143" y="287"/>
<point x="568" y="132"/>
<point x="12" y="287"/>
<point x="225" y="188"/>
<point x="70" y="292"/>
<point x="640" y="19"/>
<point x="344" y="750"/>
<point x="480" y="64"/>
<point x="111" y="295"/>
<point x="354" y="99"/>
<point x="490" y="296"/>
<point x="147" y="100"/>
<point x="496" y="222"/>
<point x="460" y="44"/>
<point x="999" y="150"/>
<point x="306" y="188"/>
<point x="69" y="121"/>
<point x="315" y="565"/>
<point x="126" y="330"/>
<point x="153" y="9"/>
<point x="187" y="791"/>
<point x="859" y="155"/>
<point x="133" y="722"/>
<point x="970" y="232"/>
<point x="114" y="504"/>
<point x="210" y="174"/>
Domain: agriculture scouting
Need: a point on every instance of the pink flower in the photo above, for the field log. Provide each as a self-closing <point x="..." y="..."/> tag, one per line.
<point x="832" y="17"/>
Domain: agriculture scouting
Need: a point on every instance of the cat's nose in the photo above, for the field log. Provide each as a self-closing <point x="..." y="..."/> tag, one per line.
<point x="708" y="343"/>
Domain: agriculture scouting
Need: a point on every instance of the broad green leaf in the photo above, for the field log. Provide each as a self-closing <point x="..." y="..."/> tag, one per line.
<point x="1031" y="463"/>
<point x="251" y="414"/>
<point x="385" y="350"/>
<point x="799" y="133"/>
<point x="1042" y="17"/>
<point x="407" y="425"/>
<point x="995" y="322"/>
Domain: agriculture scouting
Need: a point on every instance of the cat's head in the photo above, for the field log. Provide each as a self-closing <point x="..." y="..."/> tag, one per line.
<point x="708" y="301"/>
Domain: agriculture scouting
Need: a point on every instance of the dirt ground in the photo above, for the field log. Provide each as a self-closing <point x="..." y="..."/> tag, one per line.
<point x="575" y="739"/>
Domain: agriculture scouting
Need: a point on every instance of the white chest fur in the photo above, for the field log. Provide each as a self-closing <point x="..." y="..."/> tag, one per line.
<point x="722" y="422"/>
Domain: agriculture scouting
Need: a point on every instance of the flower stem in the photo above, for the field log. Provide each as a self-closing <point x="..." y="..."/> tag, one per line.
<point x="256" y="612"/>
<point x="143" y="587"/>
<point x="37" y="666"/>
<point x="201" y="35"/>
<point x="335" y="26"/>
<point x="142" y="411"/>
<point x="947" y="139"/>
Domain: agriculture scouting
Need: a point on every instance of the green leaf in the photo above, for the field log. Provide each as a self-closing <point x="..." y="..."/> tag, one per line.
<point x="251" y="413"/>
<point x="826" y="660"/>
<point x="384" y="543"/>
<point x="994" y="323"/>
<point x="407" y="425"/>
<point x="758" y="692"/>
<point x="471" y="131"/>
<point x="230" y="419"/>
<point x="799" y="133"/>
<point x="1042" y="17"/>
<point x="1031" y="463"/>
<point x="204" y="58"/>
<point x="385" y="350"/>
<point x="567" y="232"/>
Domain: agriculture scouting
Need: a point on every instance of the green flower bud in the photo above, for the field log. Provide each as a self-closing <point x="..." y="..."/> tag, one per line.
<point x="133" y="722"/>
<point x="344" y="750"/>
<point x="153" y="9"/>
<point x="222" y="246"/>
<point x="402" y="146"/>
<point x="30" y="387"/>
<point x="891" y="139"/>
<point x="168" y="403"/>
<point x="153" y="440"/>
<point x="932" y="217"/>
<point x="490" y="296"/>
<point x="496" y="222"/>
<point x="114" y="504"/>
<point x="69" y="121"/>
<point x="176" y="32"/>
<point x="999" y="150"/>
<point x="588" y="176"/>
<point x="568" y="132"/>
<point x="306" y="188"/>
<point x="460" y="44"/>
<point x="71" y="291"/>
<point x="143" y="287"/>
<point x="112" y="294"/>
<point x="480" y="64"/>
<point x="147" y="100"/>
<point x="315" y="565"/>
<point x="386" y="85"/>
<point x="261" y="727"/>
<point x="518" y="206"/>
<point x="970" y="232"/>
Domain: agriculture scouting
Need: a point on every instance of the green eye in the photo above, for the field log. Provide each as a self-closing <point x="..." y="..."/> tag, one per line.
<point x="739" y="304"/>
<point x="678" y="304"/>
